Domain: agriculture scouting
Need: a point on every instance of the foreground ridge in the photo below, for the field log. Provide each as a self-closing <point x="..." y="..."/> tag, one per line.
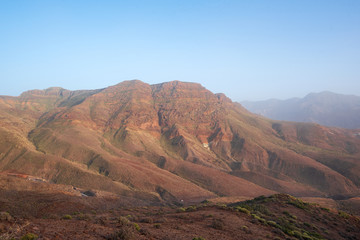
<point x="42" y="214"/>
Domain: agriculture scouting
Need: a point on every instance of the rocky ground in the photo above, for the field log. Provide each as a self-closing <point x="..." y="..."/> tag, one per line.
<point x="275" y="217"/>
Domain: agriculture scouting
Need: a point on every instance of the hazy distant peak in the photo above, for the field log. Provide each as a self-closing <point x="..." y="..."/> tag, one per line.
<point x="322" y="95"/>
<point x="326" y="108"/>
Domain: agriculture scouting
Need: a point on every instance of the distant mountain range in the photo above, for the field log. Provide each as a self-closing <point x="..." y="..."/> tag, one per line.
<point x="325" y="108"/>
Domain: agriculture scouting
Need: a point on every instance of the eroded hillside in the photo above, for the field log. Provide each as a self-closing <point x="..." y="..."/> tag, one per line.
<point x="171" y="142"/>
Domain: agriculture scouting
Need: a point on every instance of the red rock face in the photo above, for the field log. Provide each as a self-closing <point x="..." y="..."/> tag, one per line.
<point x="178" y="137"/>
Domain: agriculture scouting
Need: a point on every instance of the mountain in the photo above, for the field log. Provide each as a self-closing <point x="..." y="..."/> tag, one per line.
<point x="173" y="142"/>
<point x="325" y="108"/>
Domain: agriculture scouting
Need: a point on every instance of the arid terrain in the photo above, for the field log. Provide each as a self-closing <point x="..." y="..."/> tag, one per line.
<point x="49" y="211"/>
<point x="74" y="162"/>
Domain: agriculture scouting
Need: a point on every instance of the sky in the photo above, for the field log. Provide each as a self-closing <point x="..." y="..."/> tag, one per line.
<point x="249" y="50"/>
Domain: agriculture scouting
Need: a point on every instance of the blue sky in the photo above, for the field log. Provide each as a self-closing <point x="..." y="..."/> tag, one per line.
<point x="249" y="50"/>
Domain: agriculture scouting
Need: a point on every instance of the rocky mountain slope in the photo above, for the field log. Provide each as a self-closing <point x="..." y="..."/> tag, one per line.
<point x="173" y="142"/>
<point x="325" y="108"/>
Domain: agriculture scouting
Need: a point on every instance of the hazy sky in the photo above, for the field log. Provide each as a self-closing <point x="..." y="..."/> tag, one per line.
<point x="249" y="50"/>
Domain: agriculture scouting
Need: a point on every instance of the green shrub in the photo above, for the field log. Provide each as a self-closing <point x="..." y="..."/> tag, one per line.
<point x="305" y="236"/>
<point x="290" y="215"/>
<point x="198" y="238"/>
<point x="218" y="224"/>
<point x="260" y="219"/>
<point x="157" y="225"/>
<point x="272" y="223"/>
<point x="245" y="229"/>
<point x="67" y="217"/>
<point x="343" y="214"/>
<point x="262" y="209"/>
<point x="181" y="210"/>
<point x="253" y="207"/>
<point x="260" y="198"/>
<point x="297" y="234"/>
<point x="243" y="210"/>
<point x="307" y="224"/>
<point x="123" y="233"/>
<point x="315" y="234"/>
<point x="123" y="220"/>
<point x="325" y="209"/>
<point x="29" y="236"/>
<point x="126" y="231"/>
<point x="285" y="226"/>
<point x="136" y="226"/>
<point x="222" y="205"/>
<point x="191" y="209"/>
<point x="298" y="203"/>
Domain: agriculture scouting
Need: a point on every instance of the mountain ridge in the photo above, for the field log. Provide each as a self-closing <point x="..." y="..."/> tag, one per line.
<point x="170" y="142"/>
<point x="326" y="108"/>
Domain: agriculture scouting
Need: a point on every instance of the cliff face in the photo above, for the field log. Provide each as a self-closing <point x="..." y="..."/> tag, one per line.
<point x="171" y="141"/>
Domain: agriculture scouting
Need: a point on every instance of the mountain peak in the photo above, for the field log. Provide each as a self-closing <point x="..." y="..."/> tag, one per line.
<point x="171" y="141"/>
<point x="129" y="83"/>
<point x="52" y="91"/>
<point x="177" y="84"/>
